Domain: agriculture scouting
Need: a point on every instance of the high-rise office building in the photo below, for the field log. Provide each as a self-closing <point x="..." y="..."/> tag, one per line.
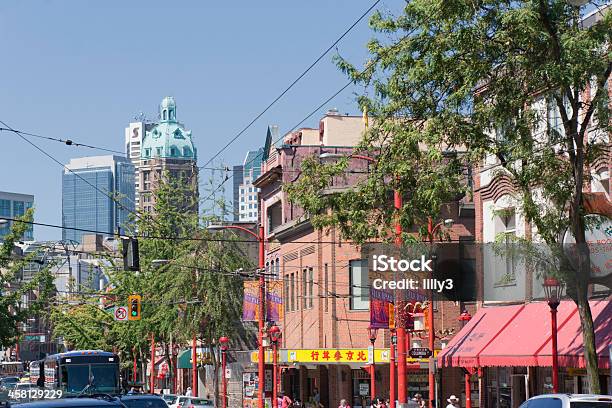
<point x="167" y="148"/>
<point x="97" y="195"/>
<point x="247" y="193"/>
<point x="237" y="172"/>
<point x="13" y="205"/>
<point x="134" y="134"/>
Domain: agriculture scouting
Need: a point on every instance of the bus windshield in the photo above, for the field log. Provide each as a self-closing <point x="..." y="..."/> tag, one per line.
<point x="76" y="378"/>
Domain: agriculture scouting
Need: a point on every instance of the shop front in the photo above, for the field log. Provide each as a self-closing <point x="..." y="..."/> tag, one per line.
<point x="510" y="347"/>
<point x="336" y="374"/>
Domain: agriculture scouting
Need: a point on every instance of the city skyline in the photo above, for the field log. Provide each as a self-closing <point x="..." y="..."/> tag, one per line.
<point x="97" y="112"/>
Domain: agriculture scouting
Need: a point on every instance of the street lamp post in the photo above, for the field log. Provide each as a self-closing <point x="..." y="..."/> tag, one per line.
<point x="553" y="290"/>
<point x="275" y="336"/>
<point x="223" y="341"/>
<point x="262" y="302"/>
<point x="392" y="396"/>
<point x="465" y="317"/>
<point x="431" y="231"/>
<point x="372" y="333"/>
<point x="400" y="330"/>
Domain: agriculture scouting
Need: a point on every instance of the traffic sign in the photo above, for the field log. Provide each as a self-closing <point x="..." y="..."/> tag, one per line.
<point x="228" y="373"/>
<point x="420" y="352"/>
<point x="120" y="313"/>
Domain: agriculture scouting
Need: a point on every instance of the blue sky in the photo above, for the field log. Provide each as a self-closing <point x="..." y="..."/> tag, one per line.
<point x="82" y="70"/>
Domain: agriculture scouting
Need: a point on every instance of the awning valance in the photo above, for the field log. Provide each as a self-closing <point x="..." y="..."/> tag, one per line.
<point x="184" y="358"/>
<point x="520" y="335"/>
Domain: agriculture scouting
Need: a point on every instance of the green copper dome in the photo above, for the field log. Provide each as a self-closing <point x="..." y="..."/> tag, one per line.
<point x="169" y="138"/>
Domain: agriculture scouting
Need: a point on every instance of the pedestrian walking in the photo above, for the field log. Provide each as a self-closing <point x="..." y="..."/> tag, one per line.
<point x="344" y="404"/>
<point x="453" y="402"/>
<point x="418" y="398"/>
<point x="188" y="393"/>
<point x="285" y="401"/>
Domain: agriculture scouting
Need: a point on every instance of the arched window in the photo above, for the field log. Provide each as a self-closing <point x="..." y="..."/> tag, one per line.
<point x="164" y="114"/>
<point x="171" y="115"/>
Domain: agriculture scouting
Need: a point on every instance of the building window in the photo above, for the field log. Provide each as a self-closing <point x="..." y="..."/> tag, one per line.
<point x="172" y="151"/>
<point x="304" y="289"/>
<point x="326" y="293"/>
<point x="159" y="151"/>
<point x="358" y="278"/>
<point x="310" y="288"/>
<point x="186" y="152"/>
<point x="553" y="115"/>
<point x="165" y="114"/>
<point x="292" y="293"/>
<point x="286" y="292"/>
<point x="277" y="271"/>
<point x="506" y="227"/>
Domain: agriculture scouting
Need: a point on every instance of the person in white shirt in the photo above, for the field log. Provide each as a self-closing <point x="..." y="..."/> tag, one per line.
<point x="453" y="402"/>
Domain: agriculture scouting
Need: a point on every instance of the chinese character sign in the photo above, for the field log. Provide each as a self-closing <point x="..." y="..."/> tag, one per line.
<point x="381" y="303"/>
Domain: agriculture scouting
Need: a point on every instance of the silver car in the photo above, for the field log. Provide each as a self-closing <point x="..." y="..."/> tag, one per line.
<point x="568" y="401"/>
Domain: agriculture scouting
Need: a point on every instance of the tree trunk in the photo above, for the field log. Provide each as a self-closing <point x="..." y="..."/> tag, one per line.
<point x="588" y="339"/>
<point x="581" y="299"/>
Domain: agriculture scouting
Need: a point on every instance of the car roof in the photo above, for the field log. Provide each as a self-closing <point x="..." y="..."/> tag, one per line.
<point x="70" y="402"/>
<point x="577" y="397"/>
<point x="140" y="396"/>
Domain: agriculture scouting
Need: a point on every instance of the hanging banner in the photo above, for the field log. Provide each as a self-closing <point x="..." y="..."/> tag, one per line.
<point x="250" y="302"/>
<point x="381" y="309"/>
<point x="274" y="301"/>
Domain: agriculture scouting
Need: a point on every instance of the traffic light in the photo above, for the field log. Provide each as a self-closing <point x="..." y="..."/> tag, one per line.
<point x="131" y="257"/>
<point x="134" y="307"/>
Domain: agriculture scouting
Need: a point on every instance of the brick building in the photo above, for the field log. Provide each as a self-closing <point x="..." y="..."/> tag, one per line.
<point x="326" y="282"/>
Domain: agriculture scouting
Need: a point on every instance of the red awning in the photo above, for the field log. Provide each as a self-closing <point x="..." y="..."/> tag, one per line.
<point x="483" y="329"/>
<point x="520" y="335"/>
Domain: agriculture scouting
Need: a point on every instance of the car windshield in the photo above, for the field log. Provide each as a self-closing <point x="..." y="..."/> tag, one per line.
<point x="76" y="377"/>
<point x="144" y="403"/>
<point x="591" y="404"/>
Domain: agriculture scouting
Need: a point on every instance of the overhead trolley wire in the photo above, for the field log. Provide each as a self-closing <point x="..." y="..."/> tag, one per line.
<point x="316" y="61"/>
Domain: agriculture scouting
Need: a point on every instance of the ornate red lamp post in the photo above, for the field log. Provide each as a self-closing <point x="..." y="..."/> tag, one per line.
<point x="553" y="289"/>
<point x="465" y="317"/>
<point x="275" y="336"/>
<point x="260" y="237"/>
<point x="224" y="341"/>
<point x="372" y="333"/>
<point x="392" y="395"/>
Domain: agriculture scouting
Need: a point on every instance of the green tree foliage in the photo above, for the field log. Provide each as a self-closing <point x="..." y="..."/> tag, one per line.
<point x="186" y="283"/>
<point x="469" y="75"/>
<point x="13" y="312"/>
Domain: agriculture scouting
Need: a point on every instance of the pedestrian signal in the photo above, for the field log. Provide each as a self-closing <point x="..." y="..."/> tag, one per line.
<point x="134" y="307"/>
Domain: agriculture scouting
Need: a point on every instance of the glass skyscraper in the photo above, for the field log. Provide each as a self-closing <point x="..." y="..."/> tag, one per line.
<point x="13" y="205"/>
<point x="89" y="208"/>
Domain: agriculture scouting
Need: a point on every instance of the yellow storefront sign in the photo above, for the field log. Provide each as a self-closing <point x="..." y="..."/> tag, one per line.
<point x="332" y="356"/>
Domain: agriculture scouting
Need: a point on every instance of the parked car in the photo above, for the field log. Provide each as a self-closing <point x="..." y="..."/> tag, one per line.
<point x="143" y="401"/>
<point x="8" y="383"/>
<point x="197" y="403"/>
<point x="169" y="398"/>
<point x="178" y="401"/>
<point x="568" y="401"/>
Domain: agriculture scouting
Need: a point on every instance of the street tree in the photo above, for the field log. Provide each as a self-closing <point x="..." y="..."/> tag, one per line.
<point x="522" y="83"/>
<point x="13" y="312"/>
